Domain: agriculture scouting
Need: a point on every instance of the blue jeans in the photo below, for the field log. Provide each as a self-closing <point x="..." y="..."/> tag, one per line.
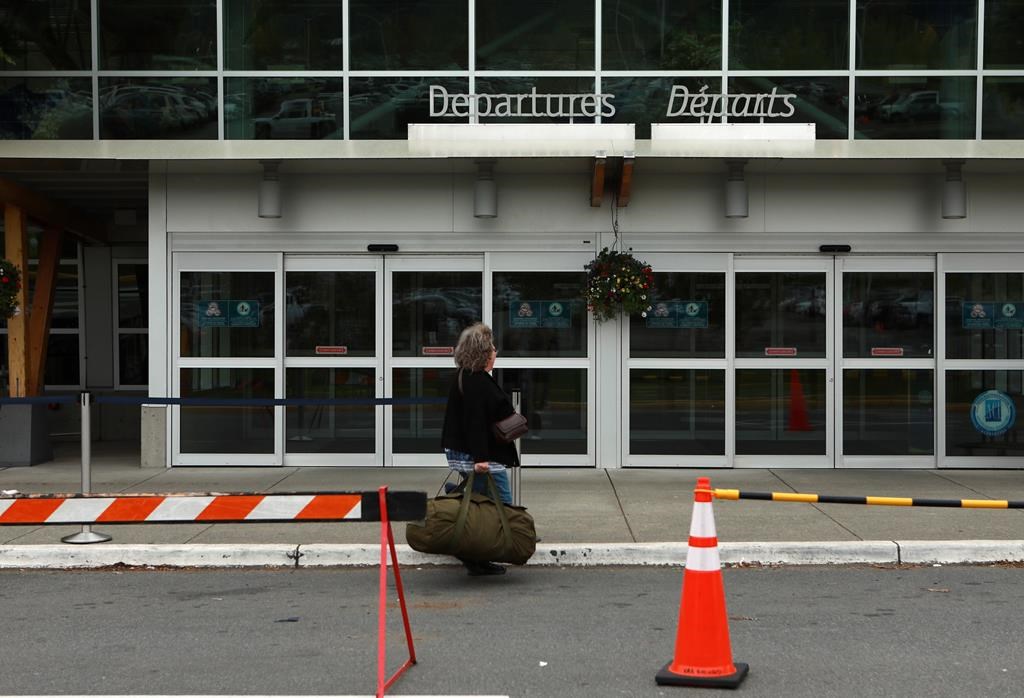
<point x="501" y="483"/>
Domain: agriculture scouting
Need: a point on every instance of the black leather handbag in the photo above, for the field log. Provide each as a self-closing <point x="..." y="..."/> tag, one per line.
<point x="508" y="429"/>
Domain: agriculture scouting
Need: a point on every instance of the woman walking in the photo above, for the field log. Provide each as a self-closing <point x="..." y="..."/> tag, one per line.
<point x="475" y="402"/>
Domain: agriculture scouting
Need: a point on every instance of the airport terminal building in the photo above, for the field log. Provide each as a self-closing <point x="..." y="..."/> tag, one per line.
<point x="277" y="199"/>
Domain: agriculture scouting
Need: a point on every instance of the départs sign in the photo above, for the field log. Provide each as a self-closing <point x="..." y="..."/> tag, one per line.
<point x="681" y="103"/>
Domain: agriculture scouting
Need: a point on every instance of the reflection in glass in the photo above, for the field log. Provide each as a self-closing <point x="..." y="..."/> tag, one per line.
<point x="980" y="422"/>
<point x="227" y="429"/>
<point x="409" y="34"/>
<point x="539" y="314"/>
<point x="917" y="34"/>
<point x="661" y="35"/>
<point x="431" y="308"/>
<point x="171" y="35"/>
<point x="53" y="35"/>
<point x="888" y="314"/>
<point x="212" y="322"/>
<point x="915" y="107"/>
<point x="331" y="309"/>
<point x="171" y="108"/>
<point x="820" y="100"/>
<point x="283" y="108"/>
<point x="62" y="360"/>
<point x="65" y="295"/>
<point x="780" y="412"/>
<point x="780" y="311"/>
<point x="45" y="108"/>
<point x="985" y="316"/>
<point x="283" y="35"/>
<point x="383" y="108"/>
<point x="535" y="35"/>
<point x="417" y="428"/>
<point x="1003" y="20"/>
<point x="330" y="428"/>
<point x="687" y="318"/>
<point x="133" y="359"/>
<point x="645" y="101"/>
<point x="554" y="402"/>
<point x="789" y="34"/>
<point x="544" y="86"/>
<point x="132" y="295"/>
<point x="1002" y="112"/>
<point x="676" y="411"/>
<point x="888" y="412"/>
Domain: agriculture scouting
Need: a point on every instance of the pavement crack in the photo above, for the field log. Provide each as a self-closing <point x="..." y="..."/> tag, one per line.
<point x="618" y="501"/>
<point x="295" y="555"/>
<point x="899" y="552"/>
<point x="818" y="507"/>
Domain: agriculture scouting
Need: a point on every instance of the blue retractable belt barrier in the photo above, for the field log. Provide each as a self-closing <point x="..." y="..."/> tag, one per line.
<point x="262" y="402"/>
<point x="38" y="400"/>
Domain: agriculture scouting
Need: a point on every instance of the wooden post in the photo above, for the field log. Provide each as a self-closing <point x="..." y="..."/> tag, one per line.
<point x="42" y="308"/>
<point x="16" y="240"/>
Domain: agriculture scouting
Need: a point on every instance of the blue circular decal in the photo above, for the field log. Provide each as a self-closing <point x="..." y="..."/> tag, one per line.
<point x="993" y="413"/>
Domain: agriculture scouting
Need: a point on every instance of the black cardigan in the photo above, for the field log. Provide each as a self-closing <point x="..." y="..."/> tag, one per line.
<point x="469" y="415"/>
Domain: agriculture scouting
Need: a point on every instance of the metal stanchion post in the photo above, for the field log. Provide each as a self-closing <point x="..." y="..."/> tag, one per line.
<point x="517" y="401"/>
<point x="86" y="535"/>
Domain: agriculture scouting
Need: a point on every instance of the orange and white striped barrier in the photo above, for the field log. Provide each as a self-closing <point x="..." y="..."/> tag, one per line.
<point x="703" y="654"/>
<point x="33" y="509"/>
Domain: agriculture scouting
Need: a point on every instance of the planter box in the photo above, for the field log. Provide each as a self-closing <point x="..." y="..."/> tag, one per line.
<point x="24" y="435"/>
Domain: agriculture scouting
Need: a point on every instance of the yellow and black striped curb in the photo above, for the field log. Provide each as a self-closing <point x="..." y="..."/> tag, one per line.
<point x="881" y="501"/>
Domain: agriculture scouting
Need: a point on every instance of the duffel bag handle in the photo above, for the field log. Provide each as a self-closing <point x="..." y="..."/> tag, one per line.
<point x="460" y="521"/>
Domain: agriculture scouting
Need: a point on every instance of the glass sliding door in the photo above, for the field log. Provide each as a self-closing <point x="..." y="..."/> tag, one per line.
<point x="333" y="348"/>
<point x="675" y="378"/>
<point x="227" y="343"/>
<point x="545" y="340"/>
<point x="885" y="392"/>
<point x="783" y="362"/>
<point x="982" y="381"/>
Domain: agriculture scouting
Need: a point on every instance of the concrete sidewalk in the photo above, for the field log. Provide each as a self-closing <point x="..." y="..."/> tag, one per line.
<point x="584" y="515"/>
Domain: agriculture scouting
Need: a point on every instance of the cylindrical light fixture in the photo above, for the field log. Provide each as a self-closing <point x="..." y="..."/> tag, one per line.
<point x="736" y="190"/>
<point x="270" y="190"/>
<point x="485" y="191"/>
<point x="954" y="191"/>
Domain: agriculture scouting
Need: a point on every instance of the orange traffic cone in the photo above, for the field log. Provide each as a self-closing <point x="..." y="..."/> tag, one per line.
<point x="798" y="420"/>
<point x="703" y="655"/>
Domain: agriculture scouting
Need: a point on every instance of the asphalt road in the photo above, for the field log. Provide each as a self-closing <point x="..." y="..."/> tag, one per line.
<point x="863" y="631"/>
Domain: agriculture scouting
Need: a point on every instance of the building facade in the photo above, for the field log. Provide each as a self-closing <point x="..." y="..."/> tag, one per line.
<point x="311" y="200"/>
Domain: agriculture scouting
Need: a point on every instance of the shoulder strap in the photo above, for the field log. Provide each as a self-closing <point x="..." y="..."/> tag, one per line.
<point x="460" y="383"/>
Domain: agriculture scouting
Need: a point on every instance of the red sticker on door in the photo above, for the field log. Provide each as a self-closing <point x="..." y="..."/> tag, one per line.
<point x="780" y="351"/>
<point x="438" y="351"/>
<point x="887" y="351"/>
<point x="331" y="351"/>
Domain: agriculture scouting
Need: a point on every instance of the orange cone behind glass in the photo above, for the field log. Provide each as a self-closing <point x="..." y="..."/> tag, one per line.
<point x="798" y="420"/>
<point x="703" y="656"/>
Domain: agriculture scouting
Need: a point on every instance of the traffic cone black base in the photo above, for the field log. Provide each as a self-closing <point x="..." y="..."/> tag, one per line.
<point x="667" y="678"/>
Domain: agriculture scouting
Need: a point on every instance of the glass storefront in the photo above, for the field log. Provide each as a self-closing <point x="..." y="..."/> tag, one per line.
<point x="747" y="361"/>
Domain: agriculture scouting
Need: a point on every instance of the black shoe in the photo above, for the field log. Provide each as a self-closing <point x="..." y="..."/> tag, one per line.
<point x="483" y="569"/>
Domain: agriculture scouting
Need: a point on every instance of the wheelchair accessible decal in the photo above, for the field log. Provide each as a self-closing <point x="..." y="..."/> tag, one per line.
<point x="679" y="315"/>
<point x="993" y="413"/>
<point x="993" y="316"/>
<point x="228" y="313"/>
<point x="556" y="314"/>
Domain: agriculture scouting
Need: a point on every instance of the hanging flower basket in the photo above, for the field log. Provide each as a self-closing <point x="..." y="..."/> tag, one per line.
<point x="10" y="284"/>
<point x="617" y="282"/>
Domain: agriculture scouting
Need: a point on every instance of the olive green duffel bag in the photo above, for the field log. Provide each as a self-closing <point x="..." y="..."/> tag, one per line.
<point x="471" y="526"/>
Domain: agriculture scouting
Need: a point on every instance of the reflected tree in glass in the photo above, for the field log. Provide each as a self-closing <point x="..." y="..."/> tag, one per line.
<point x="535" y="35"/>
<point x="49" y="35"/>
<point x="283" y="35"/>
<point x="661" y="35"/>
<point x="917" y="34"/>
<point x="789" y="34"/>
<point x="409" y="34"/>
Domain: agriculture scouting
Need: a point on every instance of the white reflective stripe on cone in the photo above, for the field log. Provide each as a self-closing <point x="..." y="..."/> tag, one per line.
<point x="179" y="509"/>
<point x="5" y="504"/>
<point x="79" y="510"/>
<point x="280" y="507"/>
<point x="702" y="525"/>
<point x="703" y="559"/>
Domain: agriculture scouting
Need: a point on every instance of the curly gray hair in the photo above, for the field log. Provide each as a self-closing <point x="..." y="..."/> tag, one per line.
<point x="474" y="348"/>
